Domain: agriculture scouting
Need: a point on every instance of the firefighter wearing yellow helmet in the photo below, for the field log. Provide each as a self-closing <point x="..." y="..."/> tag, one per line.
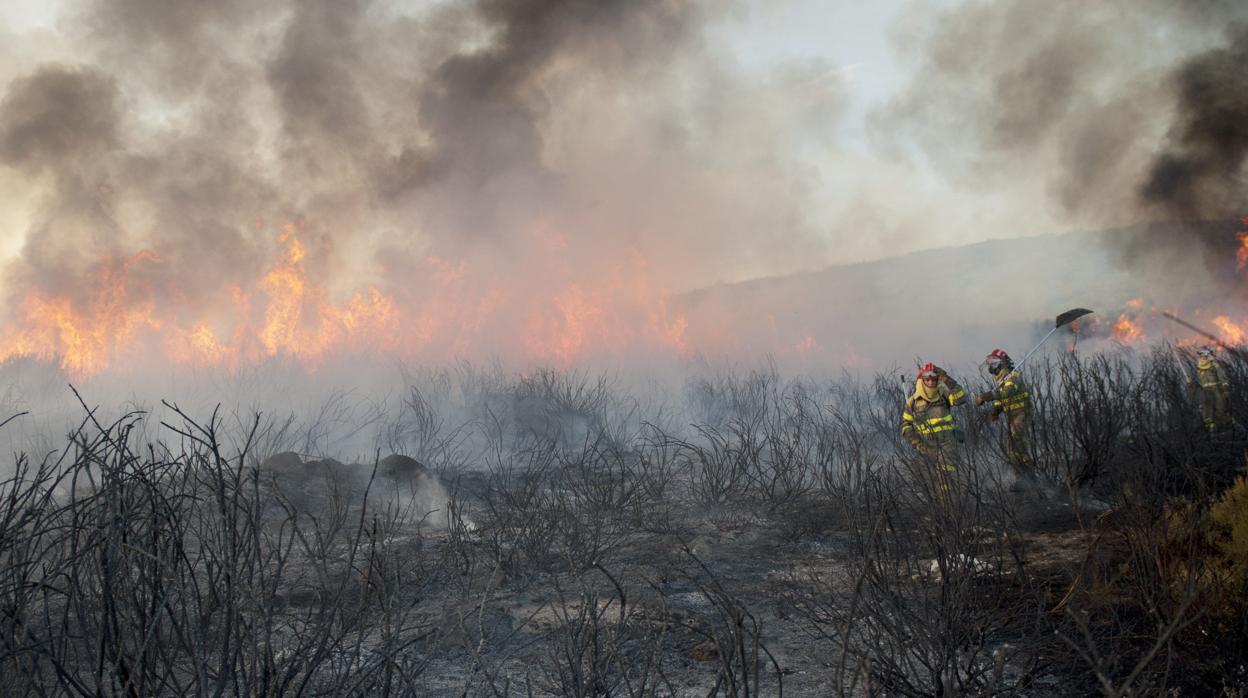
<point x="927" y="423"/>
<point x="1215" y="391"/>
<point x="1010" y="397"/>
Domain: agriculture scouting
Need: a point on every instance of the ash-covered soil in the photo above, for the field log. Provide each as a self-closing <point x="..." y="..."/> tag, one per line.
<point x="549" y="538"/>
<point x="685" y="601"/>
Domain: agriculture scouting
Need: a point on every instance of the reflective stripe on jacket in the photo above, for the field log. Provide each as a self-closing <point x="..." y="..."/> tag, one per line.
<point x="1011" y="394"/>
<point x="933" y="419"/>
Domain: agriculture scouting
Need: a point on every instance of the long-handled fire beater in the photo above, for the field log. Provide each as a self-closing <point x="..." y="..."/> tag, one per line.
<point x="1208" y="335"/>
<point x="1062" y="320"/>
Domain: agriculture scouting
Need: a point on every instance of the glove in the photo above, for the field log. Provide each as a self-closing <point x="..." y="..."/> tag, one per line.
<point x="982" y="398"/>
<point x="941" y="375"/>
<point x="994" y="413"/>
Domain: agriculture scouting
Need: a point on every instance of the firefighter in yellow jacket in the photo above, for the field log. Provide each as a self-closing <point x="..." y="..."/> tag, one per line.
<point x="1010" y="397"/>
<point x="1215" y="391"/>
<point x="927" y="423"/>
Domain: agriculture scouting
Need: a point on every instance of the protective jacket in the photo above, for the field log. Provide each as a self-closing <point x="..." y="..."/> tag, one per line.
<point x="1011" y="397"/>
<point x="927" y="421"/>
<point x="1215" y="394"/>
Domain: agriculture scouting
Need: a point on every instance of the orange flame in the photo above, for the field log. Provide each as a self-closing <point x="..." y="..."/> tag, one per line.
<point x="83" y="335"/>
<point x="1127" y="331"/>
<point x="622" y="313"/>
<point x="298" y="320"/>
<point x="1241" y="254"/>
<point x="284" y="313"/>
<point x="1231" y="332"/>
<point x="807" y="346"/>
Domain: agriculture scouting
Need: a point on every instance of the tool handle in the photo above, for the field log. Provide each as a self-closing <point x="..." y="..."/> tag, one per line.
<point x="1033" y="349"/>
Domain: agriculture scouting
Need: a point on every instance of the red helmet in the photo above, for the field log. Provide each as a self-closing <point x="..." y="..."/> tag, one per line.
<point x="927" y="369"/>
<point x="996" y="359"/>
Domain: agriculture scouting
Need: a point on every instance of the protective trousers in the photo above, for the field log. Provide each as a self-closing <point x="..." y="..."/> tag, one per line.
<point x="1215" y="408"/>
<point x="1018" y="444"/>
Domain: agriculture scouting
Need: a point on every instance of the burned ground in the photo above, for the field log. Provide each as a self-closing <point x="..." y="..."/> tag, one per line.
<point x="547" y="536"/>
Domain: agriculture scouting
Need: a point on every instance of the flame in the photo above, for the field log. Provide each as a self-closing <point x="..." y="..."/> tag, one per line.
<point x="807" y="346"/>
<point x="1127" y="330"/>
<point x="577" y="320"/>
<point x="1231" y="333"/>
<point x="625" y="312"/>
<point x="449" y="313"/>
<point x="1241" y="254"/>
<point x="299" y="321"/>
<point x="83" y="335"/>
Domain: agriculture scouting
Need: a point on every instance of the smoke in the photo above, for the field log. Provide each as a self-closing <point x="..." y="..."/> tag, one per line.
<point x="507" y="157"/>
<point x="1110" y="113"/>
<point x="527" y="177"/>
<point x="1201" y="172"/>
<point x="58" y="119"/>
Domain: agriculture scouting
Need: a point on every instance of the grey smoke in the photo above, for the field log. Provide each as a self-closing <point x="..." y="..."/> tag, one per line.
<point x="454" y="130"/>
<point x="58" y="118"/>
<point x="1119" y="113"/>
<point x="467" y="131"/>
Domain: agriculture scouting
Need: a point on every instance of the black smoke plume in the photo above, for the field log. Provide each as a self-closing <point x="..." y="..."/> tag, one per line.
<point x="1200" y="174"/>
<point x="1115" y="114"/>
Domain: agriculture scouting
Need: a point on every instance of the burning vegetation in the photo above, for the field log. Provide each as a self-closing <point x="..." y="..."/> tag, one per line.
<point x="286" y="314"/>
<point x="545" y="185"/>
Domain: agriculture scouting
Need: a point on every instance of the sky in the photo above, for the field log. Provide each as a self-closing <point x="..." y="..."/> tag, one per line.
<point x="542" y="176"/>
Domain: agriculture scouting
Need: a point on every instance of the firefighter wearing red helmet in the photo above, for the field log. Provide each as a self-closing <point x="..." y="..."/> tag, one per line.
<point x="1010" y="397"/>
<point x="927" y="422"/>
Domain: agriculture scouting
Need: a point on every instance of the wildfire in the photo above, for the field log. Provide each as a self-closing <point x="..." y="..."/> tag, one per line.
<point x="1231" y="333"/>
<point x="84" y="335"/>
<point x="1127" y="330"/>
<point x="622" y="311"/>
<point x="454" y="313"/>
<point x="807" y="346"/>
<point x="298" y="320"/>
<point x="1241" y="254"/>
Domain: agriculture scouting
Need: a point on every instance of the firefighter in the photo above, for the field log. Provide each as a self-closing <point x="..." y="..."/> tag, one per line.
<point x="1010" y="397"/>
<point x="927" y="424"/>
<point x="1215" y="391"/>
